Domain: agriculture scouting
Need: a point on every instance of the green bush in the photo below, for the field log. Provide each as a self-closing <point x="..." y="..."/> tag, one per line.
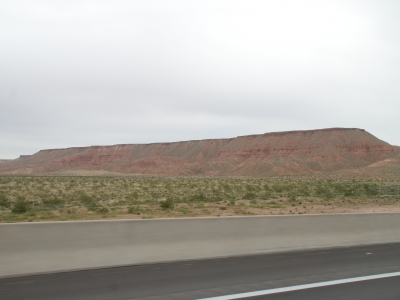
<point x="92" y="206"/>
<point x="167" y="204"/>
<point x="371" y="190"/>
<point x="102" y="209"/>
<point x="52" y="202"/>
<point x="266" y="196"/>
<point x="20" y="207"/>
<point x="132" y="198"/>
<point x="250" y="196"/>
<point x="197" y="198"/>
<point x="134" y="210"/>
<point x="4" y="201"/>
<point x="84" y="198"/>
<point x="348" y="193"/>
<point x="274" y="204"/>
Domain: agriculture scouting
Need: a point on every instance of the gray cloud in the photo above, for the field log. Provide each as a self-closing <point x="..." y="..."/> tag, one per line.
<point x="79" y="73"/>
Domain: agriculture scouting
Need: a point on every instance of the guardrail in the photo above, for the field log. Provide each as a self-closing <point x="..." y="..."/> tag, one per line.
<point x="30" y="248"/>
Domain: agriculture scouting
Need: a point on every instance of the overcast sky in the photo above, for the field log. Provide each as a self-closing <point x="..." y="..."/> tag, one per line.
<point x="81" y="73"/>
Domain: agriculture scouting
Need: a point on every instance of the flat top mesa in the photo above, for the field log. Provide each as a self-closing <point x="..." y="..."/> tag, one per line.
<point x="270" y="154"/>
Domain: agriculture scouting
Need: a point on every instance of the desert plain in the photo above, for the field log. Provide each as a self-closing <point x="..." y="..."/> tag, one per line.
<point x="334" y="170"/>
<point x="62" y="198"/>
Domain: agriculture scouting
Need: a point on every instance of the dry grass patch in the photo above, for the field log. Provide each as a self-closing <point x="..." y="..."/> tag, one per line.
<point x="86" y="198"/>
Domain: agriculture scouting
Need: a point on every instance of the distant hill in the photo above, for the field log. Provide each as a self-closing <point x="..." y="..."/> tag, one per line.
<point x="269" y="154"/>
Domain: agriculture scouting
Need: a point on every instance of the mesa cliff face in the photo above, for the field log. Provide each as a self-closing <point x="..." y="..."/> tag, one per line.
<point x="270" y="154"/>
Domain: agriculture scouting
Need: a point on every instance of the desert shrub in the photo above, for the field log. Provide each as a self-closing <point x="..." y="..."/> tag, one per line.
<point x="250" y="188"/>
<point x="273" y="204"/>
<point x="348" y="193"/>
<point x="197" y="198"/>
<point x="266" y="196"/>
<point x="102" y="209"/>
<point x="371" y="190"/>
<point x="303" y="191"/>
<point x="134" y="210"/>
<point x="133" y="197"/>
<point x="185" y="210"/>
<point x="266" y="187"/>
<point x="320" y="191"/>
<point x="167" y="204"/>
<point x="71" y="211"/>
<point x="250" y="196"/>
<point x="4" y="200"/>
<point x="97" y="208"/>
<point x="92" y="206"/>
<point x="324" y="192"/>
<point x="20" y="206"/>
<point x="214" y="199"/>
<point x="84" y="198"/>
<point x="52" y="202"/>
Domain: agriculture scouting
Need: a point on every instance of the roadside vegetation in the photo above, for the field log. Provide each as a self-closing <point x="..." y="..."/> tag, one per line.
<point x="83" y="198"/>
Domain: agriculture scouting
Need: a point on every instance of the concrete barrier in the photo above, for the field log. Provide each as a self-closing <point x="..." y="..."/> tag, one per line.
<point x="29" y="248"/>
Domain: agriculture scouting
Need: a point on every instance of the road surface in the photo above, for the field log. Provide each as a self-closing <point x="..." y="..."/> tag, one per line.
<point x="202" y="279"/>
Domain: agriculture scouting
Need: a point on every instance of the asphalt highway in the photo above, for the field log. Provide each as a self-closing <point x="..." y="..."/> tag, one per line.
<point x="201" y="279"/>
<point x="380" y="289"/>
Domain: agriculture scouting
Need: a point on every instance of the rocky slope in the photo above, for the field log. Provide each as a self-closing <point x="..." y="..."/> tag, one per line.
<point x="277" y="153"/>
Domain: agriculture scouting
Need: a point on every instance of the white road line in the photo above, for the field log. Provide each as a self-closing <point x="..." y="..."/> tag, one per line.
<point x="302" y="287"/>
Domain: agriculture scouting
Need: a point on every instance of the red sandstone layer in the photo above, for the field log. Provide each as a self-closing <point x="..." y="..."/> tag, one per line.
<point x="278" y="153"/>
